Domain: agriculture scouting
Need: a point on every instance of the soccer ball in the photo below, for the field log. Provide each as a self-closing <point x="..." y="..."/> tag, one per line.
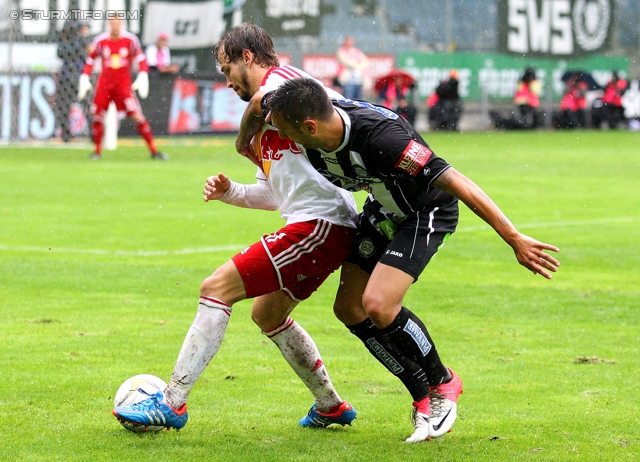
<point x="136" y="389"/>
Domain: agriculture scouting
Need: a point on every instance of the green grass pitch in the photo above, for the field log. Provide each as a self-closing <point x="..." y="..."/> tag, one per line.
<point x="100" y="268"/>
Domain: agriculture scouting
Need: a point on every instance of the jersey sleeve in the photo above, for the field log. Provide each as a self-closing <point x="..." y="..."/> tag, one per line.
<point x="408" y="166"/>
<point x="138" y="55"/>
<point x="394" y="151"/>
<point x="252" y="196"/>
<point x="91" y="58"/>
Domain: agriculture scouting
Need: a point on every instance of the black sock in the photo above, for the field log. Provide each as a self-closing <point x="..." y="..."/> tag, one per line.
<point x="383" y="349"/>
<point x="410" y="335"/>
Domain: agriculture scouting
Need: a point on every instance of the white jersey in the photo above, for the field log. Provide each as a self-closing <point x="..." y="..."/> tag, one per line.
<point x="276" y="76"/>
<point x="286" y="179"/>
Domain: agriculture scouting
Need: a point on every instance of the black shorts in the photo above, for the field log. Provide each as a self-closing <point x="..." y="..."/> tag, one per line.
<point x="415" y="240"/>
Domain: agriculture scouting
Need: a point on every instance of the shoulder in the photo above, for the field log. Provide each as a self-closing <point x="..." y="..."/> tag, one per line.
<point x="129" y="36"/>
<point x="287" y="72"/>
<point x="101" y="38"/>
<point x="276" y="76"/>
<point x="364" y="110"/>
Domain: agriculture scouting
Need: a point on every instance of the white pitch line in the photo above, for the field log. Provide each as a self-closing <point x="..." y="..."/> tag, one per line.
<point x="546" y="224"/>
<point x="237" y="247"/>
<point x="126" y="253"/>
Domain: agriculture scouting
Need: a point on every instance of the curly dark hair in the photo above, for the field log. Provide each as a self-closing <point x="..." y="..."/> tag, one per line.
<point x="300" y="99"/>
<point x="246" y="36"/>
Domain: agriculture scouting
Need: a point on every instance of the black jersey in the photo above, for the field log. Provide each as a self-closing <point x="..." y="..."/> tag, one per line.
<point x="383" y="154"/>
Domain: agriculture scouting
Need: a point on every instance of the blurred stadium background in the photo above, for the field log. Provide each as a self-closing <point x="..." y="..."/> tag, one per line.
<point x="489" y="43"/>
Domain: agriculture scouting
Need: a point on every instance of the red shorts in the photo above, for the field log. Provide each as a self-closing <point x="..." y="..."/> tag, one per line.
<point x="296" y="259"/>
<point x="124" y="97"/>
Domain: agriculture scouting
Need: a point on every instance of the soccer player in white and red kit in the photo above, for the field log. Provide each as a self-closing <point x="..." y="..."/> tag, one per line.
<point x="281" y="270"/>
<point x="119" y="50"/>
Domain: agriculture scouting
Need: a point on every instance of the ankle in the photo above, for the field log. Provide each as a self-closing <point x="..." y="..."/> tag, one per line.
<point x="174" y="398"/>
<point x="423" y="406"/>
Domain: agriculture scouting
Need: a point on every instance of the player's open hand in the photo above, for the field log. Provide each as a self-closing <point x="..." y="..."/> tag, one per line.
<point x="84" y="86"/>
<point x="141" y="84"/>
<point x="215" y="187"/>
<point x="530" y="254"/>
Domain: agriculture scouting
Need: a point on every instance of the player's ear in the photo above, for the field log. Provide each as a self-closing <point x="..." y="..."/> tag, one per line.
<point x="247" y="57"/>
<point x="310" y="126"/>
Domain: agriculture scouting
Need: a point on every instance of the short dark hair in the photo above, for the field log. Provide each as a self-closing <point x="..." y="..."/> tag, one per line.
<point x="300" y="99"/>
<point x="529" y="74"/>
<point x="246" y="36"/>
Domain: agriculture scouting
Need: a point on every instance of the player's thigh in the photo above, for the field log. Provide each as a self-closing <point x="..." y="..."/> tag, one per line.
<point x="418" y="238"/>
<point x="225" y="284"/>
<point x="100" y="103"/>
<point x="127" y="101"/>
<point x="271" y="310"/>
<point x="382" y="298"/>
<point x="348" y="304"/>
<point x="302" y="256"/>
<point x="257" y="271"/>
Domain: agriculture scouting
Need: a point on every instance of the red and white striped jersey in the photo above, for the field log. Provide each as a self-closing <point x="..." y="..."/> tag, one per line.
<point x="286" y="178"/>
<point x="301" y="193"/>
<point x="276" y="76"/>
<point x="118" y="57"/>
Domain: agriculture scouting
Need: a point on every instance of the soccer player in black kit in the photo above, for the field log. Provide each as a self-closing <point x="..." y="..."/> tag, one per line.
<point x="411" y="210"/>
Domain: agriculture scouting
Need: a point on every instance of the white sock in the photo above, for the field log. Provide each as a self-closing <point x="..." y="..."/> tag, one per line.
<point x="200" y="346"/>
<point x="302" y="354"/>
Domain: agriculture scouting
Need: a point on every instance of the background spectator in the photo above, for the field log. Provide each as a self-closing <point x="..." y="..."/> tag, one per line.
<point x="572" y="106"/>
<point x="352" y="70"/>
<point x="610" y="108"/>
<point x="445" y="106"/>
<point x="159" y="56"/>
<point x="396" y="94"/>
<point x="72" y="50"/>
<point x="527" y="101"/>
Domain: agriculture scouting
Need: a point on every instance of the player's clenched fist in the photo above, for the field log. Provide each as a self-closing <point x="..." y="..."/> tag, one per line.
<point x="215" y="187"/>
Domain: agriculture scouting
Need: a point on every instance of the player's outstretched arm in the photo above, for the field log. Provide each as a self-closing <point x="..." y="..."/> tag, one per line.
<point x="252" y="196"/>
<point x="529" y="252"/>
<point x="251" y="123"/>
<point x="215" y="187"/>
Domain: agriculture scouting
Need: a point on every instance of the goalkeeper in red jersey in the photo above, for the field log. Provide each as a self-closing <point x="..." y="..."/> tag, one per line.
<point x="118" y="50"/>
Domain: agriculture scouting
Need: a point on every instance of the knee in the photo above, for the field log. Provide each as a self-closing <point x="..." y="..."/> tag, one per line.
<point x="268" y="319"/>
<point x="256" y="319"/>
<point x="349" y="312"/>
<point x="214" y="284"/>
<point x="374" y="304"/>
<point x="261" y="321"/>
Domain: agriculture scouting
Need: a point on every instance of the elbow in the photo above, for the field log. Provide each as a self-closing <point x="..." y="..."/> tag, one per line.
<point x="239" y="145"/>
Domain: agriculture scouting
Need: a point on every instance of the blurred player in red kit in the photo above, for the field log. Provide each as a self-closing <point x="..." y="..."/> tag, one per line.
<point x="118" y="49"/>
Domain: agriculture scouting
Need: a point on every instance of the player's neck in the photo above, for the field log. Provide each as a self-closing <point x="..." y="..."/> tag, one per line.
<point x="332" y="133"/>
<point x="258" y="77"/>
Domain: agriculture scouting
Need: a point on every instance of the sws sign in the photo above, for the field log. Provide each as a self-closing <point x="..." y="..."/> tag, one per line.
<point x="554" y="27"/>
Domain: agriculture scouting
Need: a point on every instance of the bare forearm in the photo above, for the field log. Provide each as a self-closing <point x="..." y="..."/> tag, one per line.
<point x="529" y="252"/>
<point x="251" y="123"/>
<point x="477" y="200"/>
